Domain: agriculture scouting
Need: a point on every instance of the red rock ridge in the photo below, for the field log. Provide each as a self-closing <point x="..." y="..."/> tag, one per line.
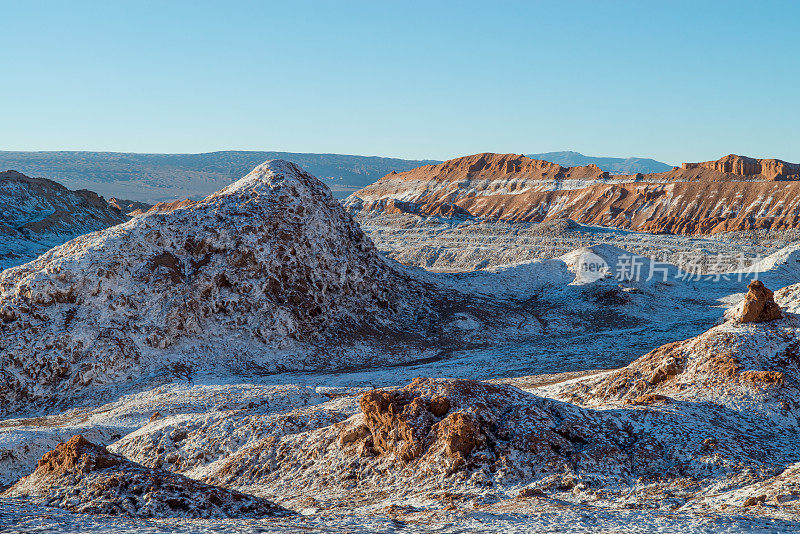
<point x="497" y="166"/>
<point x="733" y="193"/>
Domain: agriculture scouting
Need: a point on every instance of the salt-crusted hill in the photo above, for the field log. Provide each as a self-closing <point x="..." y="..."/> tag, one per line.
<point x="259" y="277"/>
<point x="36" y="214"/>
<point x="83" y="477"/>
<point x="732" y="193"/>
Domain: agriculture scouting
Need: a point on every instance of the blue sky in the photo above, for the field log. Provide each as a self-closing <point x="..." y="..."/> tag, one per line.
<point x="676" y="81"/>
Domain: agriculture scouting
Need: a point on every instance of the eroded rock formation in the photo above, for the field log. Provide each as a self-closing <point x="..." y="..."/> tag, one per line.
<point x="83" y="477"/>
<point x="771" y="169"/>
<point x="36" y="214"/>
<point x="733" y="193"/>
<point x="466" y="425"/>
<point x="759" y="305"/>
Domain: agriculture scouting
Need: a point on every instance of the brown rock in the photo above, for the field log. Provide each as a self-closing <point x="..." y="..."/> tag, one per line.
<point x="647" y="399"/>
<point x="461" y="434"/>
<point x="763" y="377"/>
<point x="440" y="406"/>
<point x="668" y="369"/>
<point x="77" y="454"/>
<point x="393" y="418"/>
<point x="482" y="424"/>
<point x="732" y="193"/>
<point x="531" y="492"/>
<point x="755" y="500"/>
<point x="408" y="422"/>
<point x="83" y="477"/>
<point x="759" y="304"/>
<point x="354" y="434"/>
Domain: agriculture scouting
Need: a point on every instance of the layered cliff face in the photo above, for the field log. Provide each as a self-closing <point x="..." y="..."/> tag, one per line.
<point x="255" y="278"/>
<point x="734" y="193"/>
<point x="474" y="176"/>
<point x="36" y="214"/>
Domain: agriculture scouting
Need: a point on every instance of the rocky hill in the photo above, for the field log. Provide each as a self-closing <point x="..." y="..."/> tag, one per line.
<point x="83" y="477"/>
<point x="36" y="214"/>
<point x="733" y="193"/>
<point x="167" y="177"/>
<point x="255" y="278"/>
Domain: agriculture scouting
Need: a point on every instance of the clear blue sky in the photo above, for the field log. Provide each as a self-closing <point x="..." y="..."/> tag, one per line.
<point x="677" y="81"/>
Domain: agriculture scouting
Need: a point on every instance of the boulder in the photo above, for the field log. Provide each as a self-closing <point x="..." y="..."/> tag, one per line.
<point x="759" y="304"/>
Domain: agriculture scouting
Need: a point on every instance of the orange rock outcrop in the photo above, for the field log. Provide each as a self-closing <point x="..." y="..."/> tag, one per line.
<point x="732" y="193"/>
<point x="759" y="305"/>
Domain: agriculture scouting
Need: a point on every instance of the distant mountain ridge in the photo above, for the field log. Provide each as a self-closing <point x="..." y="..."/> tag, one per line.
<point x="569" y="158"/>
<point x="732" y="193"/>
<point x="166" y="177"/>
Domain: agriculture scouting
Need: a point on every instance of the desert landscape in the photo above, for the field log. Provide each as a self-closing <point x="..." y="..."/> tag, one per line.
<point x="254" y="356"/>
<point x="379" y="267"/>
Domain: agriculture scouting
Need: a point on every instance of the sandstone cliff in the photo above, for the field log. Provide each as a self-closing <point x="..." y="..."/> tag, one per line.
<point x="770" y="169"/>
<point x="733" y="193"/>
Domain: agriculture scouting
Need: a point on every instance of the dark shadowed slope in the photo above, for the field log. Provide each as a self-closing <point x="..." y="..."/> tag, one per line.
<point x="36" y="214"/>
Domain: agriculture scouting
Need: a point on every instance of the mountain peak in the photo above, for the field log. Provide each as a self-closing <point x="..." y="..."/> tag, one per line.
<point x="272" y="263"/>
